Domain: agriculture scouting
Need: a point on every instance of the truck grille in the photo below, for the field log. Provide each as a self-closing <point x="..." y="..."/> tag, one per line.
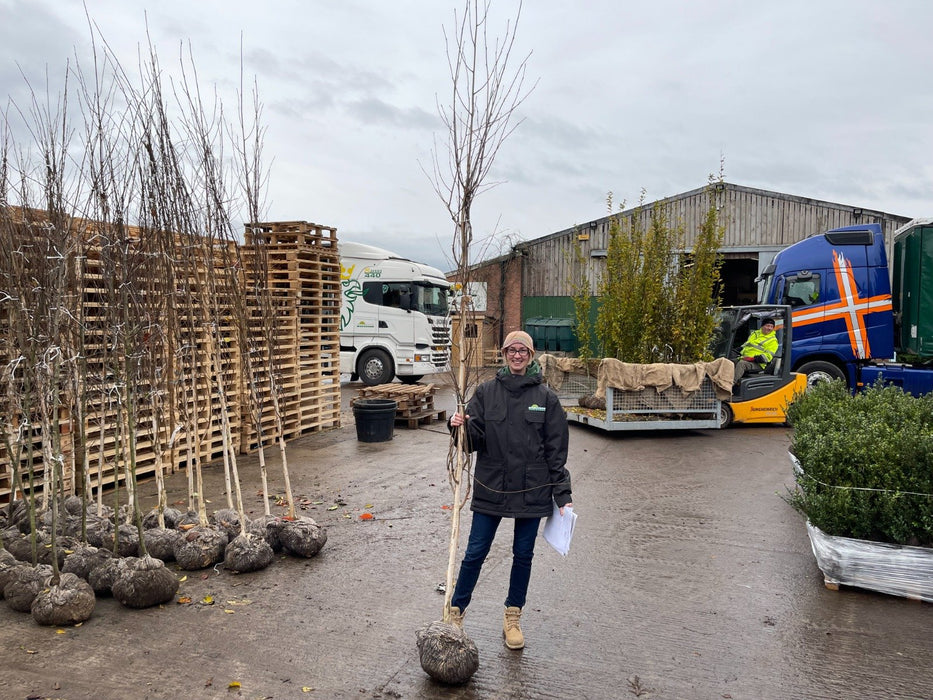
<point x="441" y="336"/>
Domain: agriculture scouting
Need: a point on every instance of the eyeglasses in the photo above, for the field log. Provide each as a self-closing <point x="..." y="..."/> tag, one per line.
<point x="517" y="352"/>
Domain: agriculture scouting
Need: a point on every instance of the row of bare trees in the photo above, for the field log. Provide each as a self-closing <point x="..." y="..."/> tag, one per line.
<point x="129" y="313"/>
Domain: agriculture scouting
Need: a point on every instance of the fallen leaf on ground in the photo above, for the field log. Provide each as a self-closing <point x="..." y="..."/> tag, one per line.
<point x="208" y="600"/>
<point x="366" y="516"/>
<point x="59" y="631"/>
<point x="333" y="507"/>
<point x="184" y="600"/>
<point x="445" y="507"/>
<point x="233" y="684"/>
<point x="229" y="611"/>
<point x="368" y="505"/>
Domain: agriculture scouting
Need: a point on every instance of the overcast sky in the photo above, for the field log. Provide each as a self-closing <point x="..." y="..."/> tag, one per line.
<point x="830" y="99"/>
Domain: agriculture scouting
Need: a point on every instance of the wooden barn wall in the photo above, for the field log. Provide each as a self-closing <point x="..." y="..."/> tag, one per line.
<point x="754" y="220"/>
<point x="502" y="277"/>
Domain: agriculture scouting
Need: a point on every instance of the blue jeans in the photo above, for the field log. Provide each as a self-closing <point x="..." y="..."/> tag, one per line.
<point x="482" y="533"/>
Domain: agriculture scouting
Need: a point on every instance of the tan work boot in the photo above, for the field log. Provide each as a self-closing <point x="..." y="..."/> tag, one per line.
<point x="514" y="639"/>
<point x="456" y="617"/>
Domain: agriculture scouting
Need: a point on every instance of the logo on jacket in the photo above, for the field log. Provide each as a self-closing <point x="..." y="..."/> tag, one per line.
<point x="536" y="407"/>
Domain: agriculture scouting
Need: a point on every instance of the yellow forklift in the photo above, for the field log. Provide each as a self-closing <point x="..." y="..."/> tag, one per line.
<point x="761" y="396"/>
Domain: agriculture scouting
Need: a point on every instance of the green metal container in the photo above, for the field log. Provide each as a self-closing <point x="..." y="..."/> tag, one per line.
<point x="912" y="290"/>
<point x="536" y="329"/>
<point x="552" y="334"/>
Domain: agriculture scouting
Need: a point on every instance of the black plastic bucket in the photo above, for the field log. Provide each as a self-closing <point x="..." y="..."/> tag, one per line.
<point x="375" y="419"/>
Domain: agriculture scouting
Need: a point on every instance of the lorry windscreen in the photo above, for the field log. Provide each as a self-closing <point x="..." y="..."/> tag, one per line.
<point x="430" y="299"/>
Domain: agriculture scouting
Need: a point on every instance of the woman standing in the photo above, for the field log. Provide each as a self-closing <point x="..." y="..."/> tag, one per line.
<point x="518" y="429"/>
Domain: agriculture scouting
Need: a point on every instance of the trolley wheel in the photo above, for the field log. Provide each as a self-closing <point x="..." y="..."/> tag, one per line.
<point x="725" y="415"/>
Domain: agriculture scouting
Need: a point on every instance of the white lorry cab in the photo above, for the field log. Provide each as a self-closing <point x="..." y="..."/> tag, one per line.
<point x="394" y="319"/>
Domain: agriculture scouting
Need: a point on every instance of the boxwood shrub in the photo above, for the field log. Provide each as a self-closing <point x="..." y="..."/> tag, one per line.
<point x="867" y="463"/>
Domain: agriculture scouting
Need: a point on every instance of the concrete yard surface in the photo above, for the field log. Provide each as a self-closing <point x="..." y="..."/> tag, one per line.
<point x="688" y="577"/>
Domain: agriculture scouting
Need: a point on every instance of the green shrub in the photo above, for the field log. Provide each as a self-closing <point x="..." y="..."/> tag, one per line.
<point x="867" y="461"/>
<point x="656" y="299"/>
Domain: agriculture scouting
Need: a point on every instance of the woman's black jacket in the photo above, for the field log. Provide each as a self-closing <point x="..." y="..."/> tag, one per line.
<point x="519" y="432"/>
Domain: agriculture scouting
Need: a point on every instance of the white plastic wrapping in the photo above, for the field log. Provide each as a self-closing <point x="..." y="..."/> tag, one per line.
<point x="877" y="566"/>
<point x="887" y="568"/>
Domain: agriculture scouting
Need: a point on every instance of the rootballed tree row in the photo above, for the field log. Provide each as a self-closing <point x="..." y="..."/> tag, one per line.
<point x="138" y="336"/>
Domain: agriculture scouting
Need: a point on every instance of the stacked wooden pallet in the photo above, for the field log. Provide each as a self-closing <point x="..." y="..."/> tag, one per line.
<point x="182" y="392"/>
<point x="301" y="268"/>
<point x="165" y="373"/>
<point x="415" y="402"/>
<point x="292" y="233"/>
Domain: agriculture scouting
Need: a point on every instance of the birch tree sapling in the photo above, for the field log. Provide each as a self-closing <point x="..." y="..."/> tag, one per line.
<point x="486" y="93"/>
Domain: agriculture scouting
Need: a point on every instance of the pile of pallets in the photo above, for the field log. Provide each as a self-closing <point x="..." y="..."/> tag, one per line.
<point x="415" y="402"/>
<point x="302" y="268"/>
<point x="189" y="378"/>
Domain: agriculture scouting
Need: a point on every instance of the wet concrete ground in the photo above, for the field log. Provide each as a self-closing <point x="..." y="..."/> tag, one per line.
<point x="689" y="577"/>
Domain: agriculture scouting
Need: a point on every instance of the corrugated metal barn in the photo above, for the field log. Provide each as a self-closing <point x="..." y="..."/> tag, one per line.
<point x="758" y="223"/>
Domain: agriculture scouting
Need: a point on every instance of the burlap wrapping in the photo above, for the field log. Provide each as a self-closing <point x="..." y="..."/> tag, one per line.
<point x="627" y="376"/>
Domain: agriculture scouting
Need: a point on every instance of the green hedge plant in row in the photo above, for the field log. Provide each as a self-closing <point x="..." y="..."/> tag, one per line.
<point x="867" y="463"/>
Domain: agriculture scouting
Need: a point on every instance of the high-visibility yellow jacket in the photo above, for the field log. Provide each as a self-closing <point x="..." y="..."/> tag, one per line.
<point x="760" y="345"/>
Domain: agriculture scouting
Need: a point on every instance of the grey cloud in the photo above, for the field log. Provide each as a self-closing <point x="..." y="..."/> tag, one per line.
<point x="34" y="41"/>
<point x="556" y="133"/>
<point x="374" y="111"/>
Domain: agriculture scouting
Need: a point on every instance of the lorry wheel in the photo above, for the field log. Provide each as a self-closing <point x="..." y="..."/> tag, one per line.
<point x="411" y="378"/>
<point x="375" y="367"/>
<point x="725" y="415"/>
<point x="819" y="371"/>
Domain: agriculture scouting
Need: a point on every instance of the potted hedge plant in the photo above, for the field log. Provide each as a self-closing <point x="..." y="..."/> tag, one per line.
<point x="864" y="477"/>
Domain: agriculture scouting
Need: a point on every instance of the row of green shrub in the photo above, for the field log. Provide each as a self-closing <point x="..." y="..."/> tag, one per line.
<point x="867" y="462"/>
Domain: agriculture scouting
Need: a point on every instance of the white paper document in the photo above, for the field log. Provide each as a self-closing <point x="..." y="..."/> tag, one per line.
<point x="558" y="529"/>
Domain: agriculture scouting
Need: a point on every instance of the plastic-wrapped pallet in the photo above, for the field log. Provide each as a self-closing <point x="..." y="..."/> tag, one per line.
<point x="894" y="569"/>
<point x="887" y="568"/>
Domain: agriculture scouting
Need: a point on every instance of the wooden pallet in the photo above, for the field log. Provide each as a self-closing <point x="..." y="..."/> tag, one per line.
<point x="297" y="233"/>
<point x="425" y="417"/>
<point x="415" y="402"/>
<point x="411" y="398"/>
